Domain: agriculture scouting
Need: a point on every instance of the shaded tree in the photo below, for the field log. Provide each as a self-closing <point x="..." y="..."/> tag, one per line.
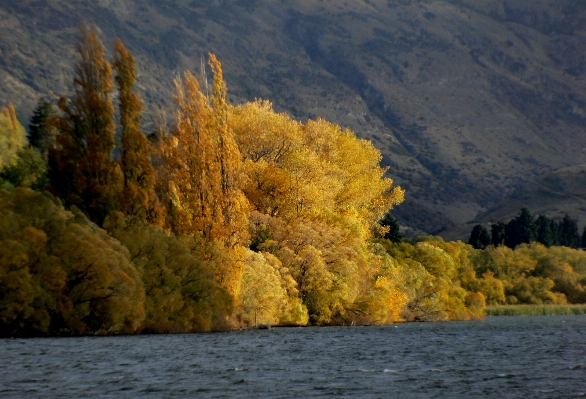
<point x="545" y="230"/>
<point x="82" y="170"/>
<point x="498" y="235"/>
<point x="568" y="233"/>
<point x="41" y="133"/>
<point x="520" y="230"/>
<point x="479" y="237"/>
<point x="393" y="234"/>
<point x="138" y="197"/>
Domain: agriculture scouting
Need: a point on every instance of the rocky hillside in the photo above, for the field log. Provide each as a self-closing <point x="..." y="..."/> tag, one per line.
<point x="466" y="99"/>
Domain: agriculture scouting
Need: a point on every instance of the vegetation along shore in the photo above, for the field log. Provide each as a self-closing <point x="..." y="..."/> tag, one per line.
<point x="230" y="216"/>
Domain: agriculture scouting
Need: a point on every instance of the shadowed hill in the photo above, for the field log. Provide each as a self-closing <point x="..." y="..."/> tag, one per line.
<point x="466" y="99"/>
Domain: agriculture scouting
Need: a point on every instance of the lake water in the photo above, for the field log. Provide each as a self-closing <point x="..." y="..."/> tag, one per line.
<point x="500" y="357"/>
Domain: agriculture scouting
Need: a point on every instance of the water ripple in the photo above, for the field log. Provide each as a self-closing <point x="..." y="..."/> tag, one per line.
<point x="538" y="357"/>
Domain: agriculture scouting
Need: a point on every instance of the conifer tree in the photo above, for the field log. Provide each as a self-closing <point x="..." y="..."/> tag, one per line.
<point x="521" y="229"/>
<point x="498" y="234"/>
<point x="138" y="197"/>
<point x="479" y="237"/>
<point x="568" y="233"/>
<point x="83" y="172"/>
<point x="41" y="127"/>
<point x="393" y="234"/>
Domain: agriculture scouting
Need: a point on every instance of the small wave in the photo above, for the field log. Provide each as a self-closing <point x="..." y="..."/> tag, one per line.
<point x="436" y="370"/>
<point x="576" y="366"/>
<point x="390" y="371"/>
<point x="367" y="371"/>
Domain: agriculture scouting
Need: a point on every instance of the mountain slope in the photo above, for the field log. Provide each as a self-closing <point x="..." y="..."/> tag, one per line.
<point x="466" y="99"/>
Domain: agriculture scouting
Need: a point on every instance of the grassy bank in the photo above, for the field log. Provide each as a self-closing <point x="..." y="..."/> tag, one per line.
<point x="535" y="310"/>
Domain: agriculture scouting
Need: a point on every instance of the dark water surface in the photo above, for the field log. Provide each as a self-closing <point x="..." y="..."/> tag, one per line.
<point x="500" y="357"/>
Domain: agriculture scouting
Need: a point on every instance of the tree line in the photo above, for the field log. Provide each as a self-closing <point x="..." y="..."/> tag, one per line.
<point x="525" y="229"/>
<point x="231" y="215"/>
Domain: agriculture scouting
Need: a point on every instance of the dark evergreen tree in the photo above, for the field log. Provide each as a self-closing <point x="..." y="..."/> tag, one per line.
<point x="521" y="229"/>
<point x="498" y="234"/>
<point x="545" y="230"/>
<point x="393" y="234"/>
<point x="82" y="171"/>
<point x="584" y="238"/>
<point x="41" y="127"/>
<point x="479" y="237"/>
<point x="568" y="233"/>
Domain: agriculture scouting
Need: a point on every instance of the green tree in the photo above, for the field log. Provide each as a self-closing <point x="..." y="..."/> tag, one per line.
<point x="479" y="237"/>
<point x="545" y="230"/>
<point x="393" y="234"/>
<point x="29" y="170"/>
<point x="41" y="133"/>
<point x="521" y="229"/>
<point x="568" y="233"/>
<point x="498" y="235"/>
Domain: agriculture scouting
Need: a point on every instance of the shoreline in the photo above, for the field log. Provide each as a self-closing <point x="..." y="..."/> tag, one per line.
<point x="535" y="310"/>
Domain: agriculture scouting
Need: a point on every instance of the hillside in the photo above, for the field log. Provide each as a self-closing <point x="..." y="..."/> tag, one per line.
<point x="466" y="99"/>
<point x="553" y="194"/>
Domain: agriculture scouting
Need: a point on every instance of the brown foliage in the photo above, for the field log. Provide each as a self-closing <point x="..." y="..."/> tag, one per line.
<point x="138" y="198"/>
<point x="83" y="172"/>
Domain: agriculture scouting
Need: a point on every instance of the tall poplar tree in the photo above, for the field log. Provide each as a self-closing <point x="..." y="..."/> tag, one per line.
<point x="138" y="197"/>
<point x="203" y="165"/>
<point x="83" y="172"/>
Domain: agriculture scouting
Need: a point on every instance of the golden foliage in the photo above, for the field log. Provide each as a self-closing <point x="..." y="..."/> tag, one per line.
<point x="61" y="274"/>
<point x="202" y="166"/>
<point x="12" y="136"/>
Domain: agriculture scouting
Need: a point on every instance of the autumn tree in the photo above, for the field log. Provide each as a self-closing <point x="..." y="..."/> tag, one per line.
<point x="60" y="273"/>
<point x="202" y="164"/>
<point x="182" y="293"/>
<point x="12" y="136"/>
<point x="83" y="172"/>
<point x="138" y="198"/>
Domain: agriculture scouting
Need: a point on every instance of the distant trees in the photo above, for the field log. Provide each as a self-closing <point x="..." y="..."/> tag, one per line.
<point x="479" y="238"/>
<point x="525" y="229"/>
<point x="42" y="127"/>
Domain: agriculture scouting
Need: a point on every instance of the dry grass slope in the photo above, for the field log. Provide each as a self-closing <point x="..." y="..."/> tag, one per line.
<point x="467" y="99"/>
